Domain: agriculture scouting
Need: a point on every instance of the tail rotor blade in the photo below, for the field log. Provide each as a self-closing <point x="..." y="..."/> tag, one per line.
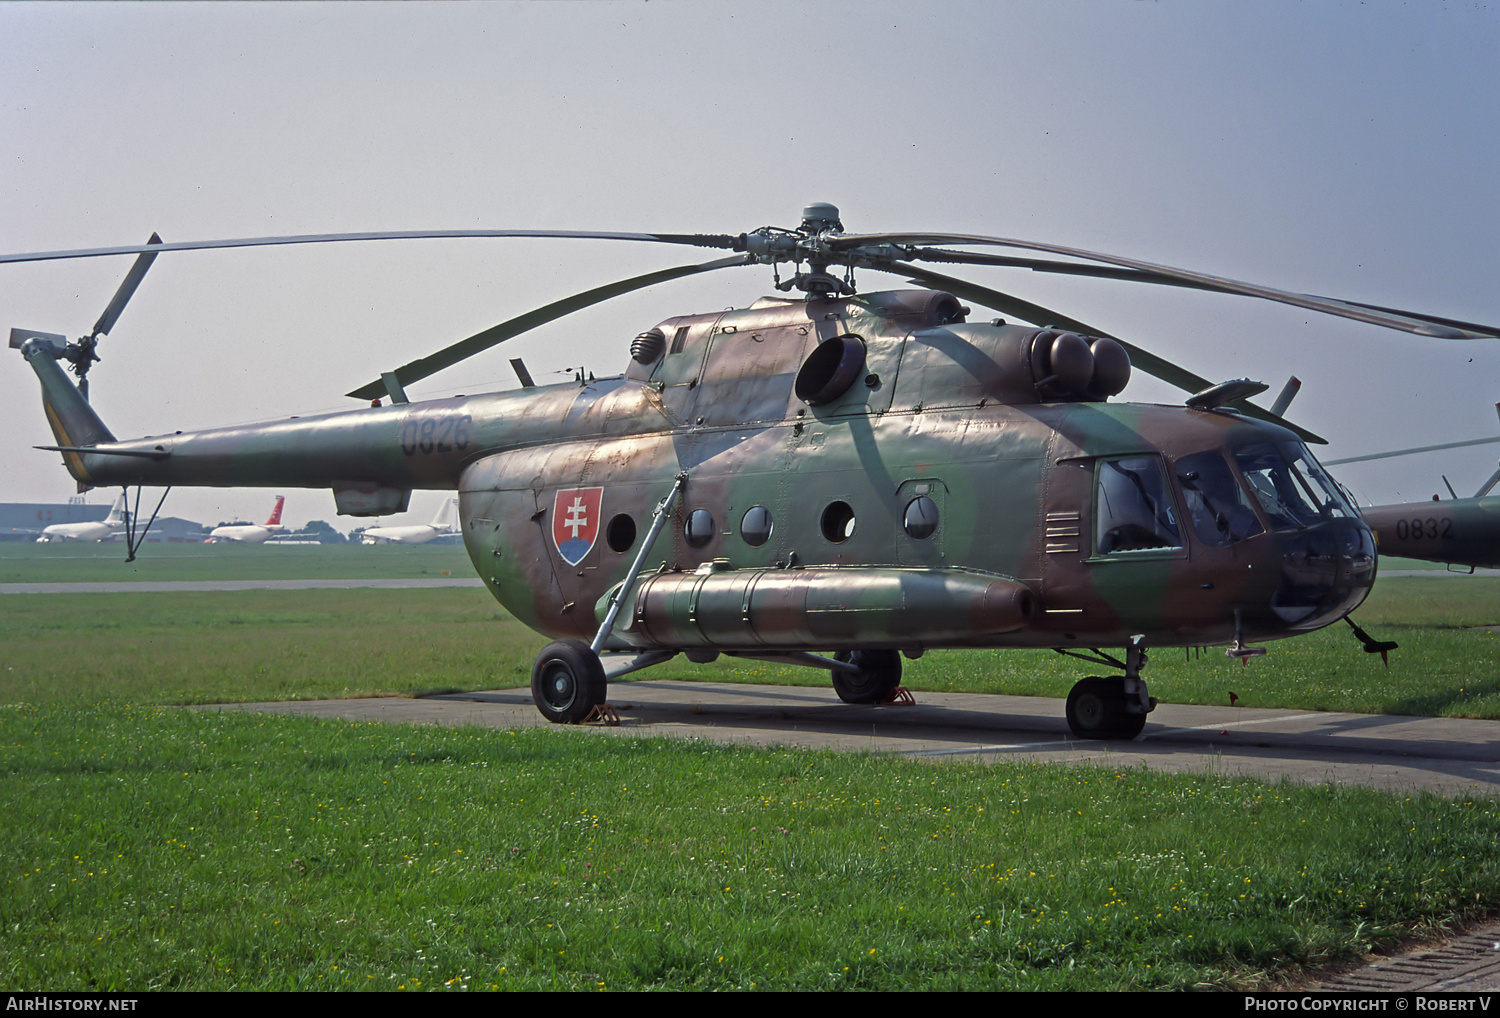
<point x="127" y="290"/>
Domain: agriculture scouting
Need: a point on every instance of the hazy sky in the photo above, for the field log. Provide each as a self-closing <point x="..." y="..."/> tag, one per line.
<point x="1343" y="149"/>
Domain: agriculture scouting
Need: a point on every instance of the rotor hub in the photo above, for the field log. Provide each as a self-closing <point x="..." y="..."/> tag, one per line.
<point x="820" y="217"/>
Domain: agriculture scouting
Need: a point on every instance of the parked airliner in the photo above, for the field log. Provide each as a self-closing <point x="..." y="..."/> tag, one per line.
<point x="98" y="530"/>
<point x="250" y="533"/>
<point x="445" y="522"/>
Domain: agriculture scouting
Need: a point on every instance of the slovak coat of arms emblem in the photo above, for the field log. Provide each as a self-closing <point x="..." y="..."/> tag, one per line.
<point x="575" y="522"/>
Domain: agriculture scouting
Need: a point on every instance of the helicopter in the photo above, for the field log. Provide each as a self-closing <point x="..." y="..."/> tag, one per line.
<point x="1455" y="532"/>
<point x="832" y="478"/>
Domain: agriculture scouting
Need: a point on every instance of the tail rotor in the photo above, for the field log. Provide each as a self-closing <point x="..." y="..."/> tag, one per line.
<point x="82" y="352"/>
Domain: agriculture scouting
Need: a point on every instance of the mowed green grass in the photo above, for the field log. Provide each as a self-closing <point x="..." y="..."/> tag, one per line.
<point x="312" y="644"/>
<point x="151" y="848"/>
<point x="219" y="646"/>
<point x="147" y="847"/>
<point x="87" y="562"/>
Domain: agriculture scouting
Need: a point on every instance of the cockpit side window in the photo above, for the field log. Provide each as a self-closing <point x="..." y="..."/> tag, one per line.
<point x="1217" y="506"/>
<point x="1134" y="510"/>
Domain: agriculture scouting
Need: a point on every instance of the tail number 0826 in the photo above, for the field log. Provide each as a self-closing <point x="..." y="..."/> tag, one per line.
<point x="438" y="433"/>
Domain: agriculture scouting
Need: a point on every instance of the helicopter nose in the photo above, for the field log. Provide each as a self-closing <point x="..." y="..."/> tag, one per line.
<point x="1326" y="572"/>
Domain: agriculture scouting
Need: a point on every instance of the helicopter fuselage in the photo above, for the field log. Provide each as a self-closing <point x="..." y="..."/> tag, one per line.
<point x="863" y="472"/>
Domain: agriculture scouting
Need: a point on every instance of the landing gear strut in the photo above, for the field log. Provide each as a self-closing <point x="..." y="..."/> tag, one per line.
<point x="1112" y="708"/>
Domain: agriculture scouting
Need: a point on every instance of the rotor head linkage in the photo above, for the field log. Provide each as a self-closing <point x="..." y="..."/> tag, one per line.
<point x="811" y="243"/>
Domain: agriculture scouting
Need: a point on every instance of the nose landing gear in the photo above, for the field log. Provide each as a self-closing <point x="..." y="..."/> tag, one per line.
<point x="1112" y="708"/>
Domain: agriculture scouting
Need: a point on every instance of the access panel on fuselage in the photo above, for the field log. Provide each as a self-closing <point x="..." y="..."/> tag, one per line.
<point x="747" y="377"/>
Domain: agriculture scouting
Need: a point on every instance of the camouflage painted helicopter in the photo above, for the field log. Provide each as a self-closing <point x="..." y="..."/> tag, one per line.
<point x="1459" y="531"/>
<point x="867" y="474"/>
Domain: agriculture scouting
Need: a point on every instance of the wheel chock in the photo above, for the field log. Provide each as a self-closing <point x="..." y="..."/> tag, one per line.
<point x="603" y="714"/>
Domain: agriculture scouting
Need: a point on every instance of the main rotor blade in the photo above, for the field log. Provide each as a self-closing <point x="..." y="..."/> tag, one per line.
<point x="1325" y="305"/>
<point x="933" y="254"/>
<point x="1148" y="362"/>
<point x="1408" y="452"/>
<point x="1044" y="317"/>
<point x="691" y="239"/>
<point x="127" y="289"/>
<point x="422" y="367"/>
<point x="1486" y="330"/>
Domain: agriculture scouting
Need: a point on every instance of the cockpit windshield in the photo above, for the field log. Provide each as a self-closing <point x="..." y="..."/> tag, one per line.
<point x="1292" y="488"/>
<point x="1135" y="509"/>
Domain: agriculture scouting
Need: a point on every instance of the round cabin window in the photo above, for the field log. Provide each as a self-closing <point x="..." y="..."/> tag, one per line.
<point x="838" y="522"/>
<point x="620" y="534"/>
<point x="921" y="519"/>
<point x="755" y="528"/>
<point x="699" y="529"/>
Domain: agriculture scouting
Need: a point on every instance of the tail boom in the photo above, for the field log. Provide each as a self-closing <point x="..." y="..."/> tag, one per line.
<point x="372" y="449"/>
<point x="74" y="423"/>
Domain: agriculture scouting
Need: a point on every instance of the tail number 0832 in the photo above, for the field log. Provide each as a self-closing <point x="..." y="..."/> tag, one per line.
<point x="1417" y="529"/>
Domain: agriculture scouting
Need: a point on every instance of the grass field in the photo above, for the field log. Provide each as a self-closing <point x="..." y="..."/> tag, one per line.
<point x="78" y="562"/>
<point x="154" y="848"/>
<point x="168" y="849"/>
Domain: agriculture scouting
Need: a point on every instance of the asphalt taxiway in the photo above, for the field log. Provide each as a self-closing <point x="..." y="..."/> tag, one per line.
<point x="1449" y="756"/>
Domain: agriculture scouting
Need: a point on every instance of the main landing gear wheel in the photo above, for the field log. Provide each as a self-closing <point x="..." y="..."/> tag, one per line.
<point x="567" y="682"/>
<point x="1096" y="710"/>
<point x="878" y="676"/>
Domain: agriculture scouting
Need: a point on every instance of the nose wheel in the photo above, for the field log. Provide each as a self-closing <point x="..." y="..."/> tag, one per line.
<point x="1113" y="708"/>
<point x="1097" y="709"/>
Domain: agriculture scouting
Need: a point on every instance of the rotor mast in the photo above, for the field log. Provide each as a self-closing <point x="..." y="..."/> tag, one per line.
<point x="820" y="220"/>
